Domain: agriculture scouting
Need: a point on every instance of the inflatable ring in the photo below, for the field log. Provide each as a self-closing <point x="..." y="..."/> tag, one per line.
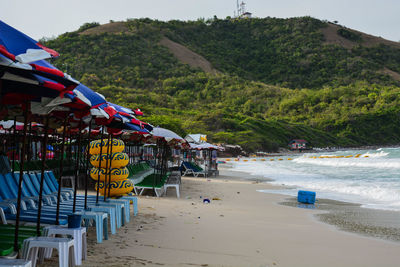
<point x="116" y="160"/>
<point x="117" y="174"/>
<point x="117" y="146"/>
<point x="117" y="188"/>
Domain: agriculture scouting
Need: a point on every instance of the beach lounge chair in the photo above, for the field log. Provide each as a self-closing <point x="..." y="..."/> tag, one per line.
<point x="150" y="182"/>
<point x="29" y="213"/>
<point x="7" y="233"/>
<point x="90" y="198"/>
<point x="10" y="192"/>
<point x="191" y="169"/>
<point x="137" y="172"/>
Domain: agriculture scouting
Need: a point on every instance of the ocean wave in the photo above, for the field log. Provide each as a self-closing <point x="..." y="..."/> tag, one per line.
<point x="372" y="181"/>
<point x="380" y="154"/>
<point x="347" y="162"/>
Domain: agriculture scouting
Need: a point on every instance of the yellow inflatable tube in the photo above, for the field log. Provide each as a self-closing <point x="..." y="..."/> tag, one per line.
<point x="117" y="188"/>
<point x="117" y="160"/>
<point x="117" y="146"/>
<point x="117" y="174"/>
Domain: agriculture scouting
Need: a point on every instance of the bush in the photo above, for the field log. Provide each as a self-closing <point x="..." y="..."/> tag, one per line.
<point x="350" y="35"/>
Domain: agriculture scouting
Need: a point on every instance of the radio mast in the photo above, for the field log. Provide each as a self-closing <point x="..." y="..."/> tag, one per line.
<point x="241" y="10"/>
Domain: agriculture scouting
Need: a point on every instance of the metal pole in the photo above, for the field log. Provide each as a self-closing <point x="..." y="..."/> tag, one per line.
<point x="36" y="150"/>
<point x="21" y="173"/>
<point x="107" y="169"/>
<point x="44" y="146"/>
<point x="109" y="172"/>
<point x="61" y="172"/>
<point x="28" y="157"/>
<point x="15" y="144"/>
<point x="70" y="146"/>
<point x="87" y="163"/>
<point x="101" y="155"/>
<point x="77" y="158"/>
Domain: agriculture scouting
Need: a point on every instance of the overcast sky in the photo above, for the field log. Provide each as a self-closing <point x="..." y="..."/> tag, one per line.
<point x="48" y="18"/>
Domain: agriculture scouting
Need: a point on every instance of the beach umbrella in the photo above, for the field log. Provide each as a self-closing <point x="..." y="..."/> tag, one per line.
<point x="25" y="53"/>
<point x="26" y="76"/>
<point x="17" y="46"/>
<point x="47" y="92"/>
<point x="127" y="116"/>
<point x="168" y="135"/>
<point x="97" y="102"/>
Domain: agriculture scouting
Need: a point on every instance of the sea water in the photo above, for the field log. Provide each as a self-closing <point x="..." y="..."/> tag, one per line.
<point x="371" y="179"/>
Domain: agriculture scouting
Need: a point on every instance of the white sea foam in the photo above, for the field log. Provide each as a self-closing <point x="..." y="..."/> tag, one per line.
<point x="355" y="162"/>
<point x="372" y="181"/>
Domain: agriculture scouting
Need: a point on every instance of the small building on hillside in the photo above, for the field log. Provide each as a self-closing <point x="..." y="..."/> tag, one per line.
<point x="246" y="15"/>
<point x="298" y="144"/>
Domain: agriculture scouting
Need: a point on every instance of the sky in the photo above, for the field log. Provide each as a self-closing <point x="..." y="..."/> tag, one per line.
<point x="50" y="18"/>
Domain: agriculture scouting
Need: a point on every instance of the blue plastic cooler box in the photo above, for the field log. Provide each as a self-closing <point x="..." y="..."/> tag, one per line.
<point x="307" y="197"/>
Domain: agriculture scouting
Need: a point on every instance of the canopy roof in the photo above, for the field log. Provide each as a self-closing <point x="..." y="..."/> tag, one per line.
<point x="205" y="146"/>
<point x="196" y="138"/>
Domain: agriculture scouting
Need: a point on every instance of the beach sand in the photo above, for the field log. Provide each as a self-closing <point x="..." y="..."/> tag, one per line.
<point x="241" y="227"/>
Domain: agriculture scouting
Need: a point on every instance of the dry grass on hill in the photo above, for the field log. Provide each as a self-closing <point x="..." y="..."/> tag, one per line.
<point x="187" y="56"/>
<point x="113" y="27"/>
<point x="332" y="37"/>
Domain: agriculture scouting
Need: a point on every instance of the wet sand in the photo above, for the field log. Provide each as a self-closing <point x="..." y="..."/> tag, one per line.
<point x="351" y="217"/>
<point x="240" y="227"/>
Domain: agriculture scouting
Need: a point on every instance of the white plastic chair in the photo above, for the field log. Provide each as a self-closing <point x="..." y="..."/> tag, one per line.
<point x="79" y="236"/>
<point x="15" y="263"/>
<point x="65" y="247"/>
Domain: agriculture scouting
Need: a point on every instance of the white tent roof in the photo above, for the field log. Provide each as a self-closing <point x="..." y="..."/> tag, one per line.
<point x="195" y="138"/>
<point x="206" y="146"/>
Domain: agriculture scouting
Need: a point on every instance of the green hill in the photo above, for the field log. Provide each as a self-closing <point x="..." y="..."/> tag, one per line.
<point x="254" y="82"/>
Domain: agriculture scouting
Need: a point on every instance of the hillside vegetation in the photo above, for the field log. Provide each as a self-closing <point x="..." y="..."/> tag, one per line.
<point x="270" y="80"/>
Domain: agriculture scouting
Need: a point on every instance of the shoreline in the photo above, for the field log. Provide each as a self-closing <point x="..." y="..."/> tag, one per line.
<point x="345" y="216"/>
<point x="352" y="218"/>
<point x="288" y="152"/>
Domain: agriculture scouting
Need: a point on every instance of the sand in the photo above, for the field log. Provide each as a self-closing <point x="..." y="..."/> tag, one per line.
<point x="242" y="227"/>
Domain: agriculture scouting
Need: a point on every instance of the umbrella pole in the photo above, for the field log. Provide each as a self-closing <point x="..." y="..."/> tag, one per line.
<point x="44" y="146"/>
<point x="21" y="173"/>
<point x="77" y="158"/>
<point x="15" y="144"/>
<point x="101" y="156"/>
<point x="87" y="163"/>
<point x="28" y="153"/>
<point x="132" y="160"/>
<point x="70" y="146"/>
<point x="36" y="149"/>
<point x="61" y="172"/>
<point x="107" y="169"/>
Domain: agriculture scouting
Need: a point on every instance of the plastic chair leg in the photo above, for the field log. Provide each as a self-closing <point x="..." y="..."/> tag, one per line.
<point x="105" y="227"/>
<point x="99" y="230"/>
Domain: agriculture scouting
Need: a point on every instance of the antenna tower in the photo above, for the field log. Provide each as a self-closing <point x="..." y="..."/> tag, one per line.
<point x="240" y="8"/>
